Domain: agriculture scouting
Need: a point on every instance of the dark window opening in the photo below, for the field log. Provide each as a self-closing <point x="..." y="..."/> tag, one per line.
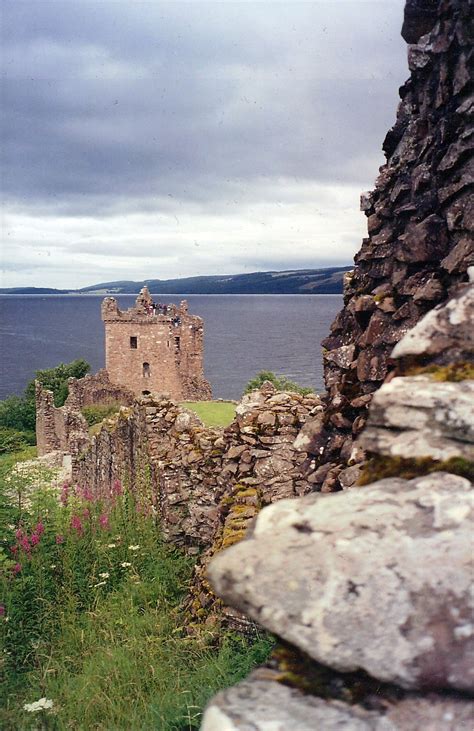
<point x="146" y="370"/>
<point x="146" y="393"/>
<point x="177" y="344"/>
<point x="133" y="342"/>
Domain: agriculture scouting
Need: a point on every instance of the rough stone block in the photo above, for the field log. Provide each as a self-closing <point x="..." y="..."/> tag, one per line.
<point x="344" y="578"/>
<point x="417" y="417"/>
<point x="259" y="704"/>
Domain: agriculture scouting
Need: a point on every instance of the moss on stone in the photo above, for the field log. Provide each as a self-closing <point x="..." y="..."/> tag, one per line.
<point x="454" y="372"/>
<point x="379" y="467"/>
<point x="298" y="670"/>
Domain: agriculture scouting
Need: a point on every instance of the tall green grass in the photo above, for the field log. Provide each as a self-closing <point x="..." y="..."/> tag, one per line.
<point x="90" y="619"/>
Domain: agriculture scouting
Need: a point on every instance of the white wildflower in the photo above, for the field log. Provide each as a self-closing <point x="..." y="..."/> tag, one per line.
<point x="44" y="704"/>
<point x="100" y="583"/>
<point x="133" y="548"/>
<point x="111" y="545"/>
<point x="104" y="575"/>
<point x="125" y="564"/>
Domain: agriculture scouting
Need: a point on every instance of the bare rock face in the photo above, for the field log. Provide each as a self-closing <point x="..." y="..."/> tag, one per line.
<point x="420" y="17"/>
<point x="258" y="704"/>
<point x="344" y="578"/>
<point x="416" y="417"/>
<point x="419" y="220"/>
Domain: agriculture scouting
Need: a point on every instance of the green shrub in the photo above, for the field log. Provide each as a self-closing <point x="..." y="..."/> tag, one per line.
<point x="12" y="440"/>
<point x="96" y="413"/>
<point x="17" y="412"/>
<point x="55" y="379"/>
<point x="281" y="383"/>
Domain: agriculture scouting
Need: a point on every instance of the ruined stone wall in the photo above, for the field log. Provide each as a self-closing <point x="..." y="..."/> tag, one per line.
<point x="49" y="437"/>
<point x="420" y="220"/>
<point x="64" y="428"/>
<point x="96" y="389"/>
<point x="155" y="349"/>
<point x="57" y="429"/>
<point x="186" y="470"/>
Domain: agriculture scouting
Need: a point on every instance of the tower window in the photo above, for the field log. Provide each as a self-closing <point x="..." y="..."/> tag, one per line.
<point x="177" y="344"/>
<point x="133" y="342"/>
<point x="146" y="370"/>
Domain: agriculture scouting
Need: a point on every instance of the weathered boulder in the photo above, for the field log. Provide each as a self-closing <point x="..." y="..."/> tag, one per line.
<point x="415" y="417"/>
<point x="448" y="328"/>
<point x="377" y="578"/>
<point x="258" y="704"/>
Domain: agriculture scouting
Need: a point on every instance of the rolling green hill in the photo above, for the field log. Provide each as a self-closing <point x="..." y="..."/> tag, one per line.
<point x="298" y="281"/>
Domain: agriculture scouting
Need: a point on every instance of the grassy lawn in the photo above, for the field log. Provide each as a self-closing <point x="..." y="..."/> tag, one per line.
<point x="212" y="413"/>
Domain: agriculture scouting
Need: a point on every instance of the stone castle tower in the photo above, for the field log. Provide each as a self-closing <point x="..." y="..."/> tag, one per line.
<point x="154" y="348"/>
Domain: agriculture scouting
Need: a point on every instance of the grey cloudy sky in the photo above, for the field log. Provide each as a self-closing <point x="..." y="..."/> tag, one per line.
<point x="168" y="139"/>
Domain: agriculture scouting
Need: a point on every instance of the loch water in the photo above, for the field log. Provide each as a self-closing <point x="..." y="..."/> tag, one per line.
<point x="244" y="334"/>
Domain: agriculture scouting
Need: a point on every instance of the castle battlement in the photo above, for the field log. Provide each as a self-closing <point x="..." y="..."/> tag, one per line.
<point x="155" y="348"/>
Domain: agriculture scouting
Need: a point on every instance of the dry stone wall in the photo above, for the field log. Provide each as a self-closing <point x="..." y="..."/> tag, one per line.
<point x="420" y="220"/>
<point x="190" y="469"/>
<point x="374" y="580"/>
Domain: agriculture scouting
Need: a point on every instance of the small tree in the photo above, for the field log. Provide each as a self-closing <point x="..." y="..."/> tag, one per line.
<point x="281" y="383"/>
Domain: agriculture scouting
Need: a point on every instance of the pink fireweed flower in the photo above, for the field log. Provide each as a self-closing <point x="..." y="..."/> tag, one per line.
<point x="87" y="494"/>
<point x="34" y="539"/>
<point x="2" y="610"/>
<point x="64" y="497"/>
<point x="116" y="488"/>
<point x="25" y="544"/>
<point x="86" y="513"/>
<point x="76" y="524"/>
<point x="104" y="521"/>
<point x="19" y="534"/>
<point x="14" y="550"/>
<point x="39" y="528"/>
<point x="59" y="539"/>
<point x="17" y="568"/>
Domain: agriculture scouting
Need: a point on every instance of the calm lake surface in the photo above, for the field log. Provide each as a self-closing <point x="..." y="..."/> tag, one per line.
<point x="244" y="334"/>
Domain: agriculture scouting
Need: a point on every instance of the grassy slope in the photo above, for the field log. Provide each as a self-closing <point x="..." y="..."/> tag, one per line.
<point x="124" y="662"/>
<point x="212" y="413"/>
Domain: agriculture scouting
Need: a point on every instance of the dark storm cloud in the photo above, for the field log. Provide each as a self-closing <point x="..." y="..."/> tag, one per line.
<point x="170" y="139"/>
<point x="110" y="102"/>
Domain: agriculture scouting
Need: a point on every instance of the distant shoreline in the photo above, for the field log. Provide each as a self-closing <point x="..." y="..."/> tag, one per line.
<point x="172" y="294"/>
<point x="304" y="282"/>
